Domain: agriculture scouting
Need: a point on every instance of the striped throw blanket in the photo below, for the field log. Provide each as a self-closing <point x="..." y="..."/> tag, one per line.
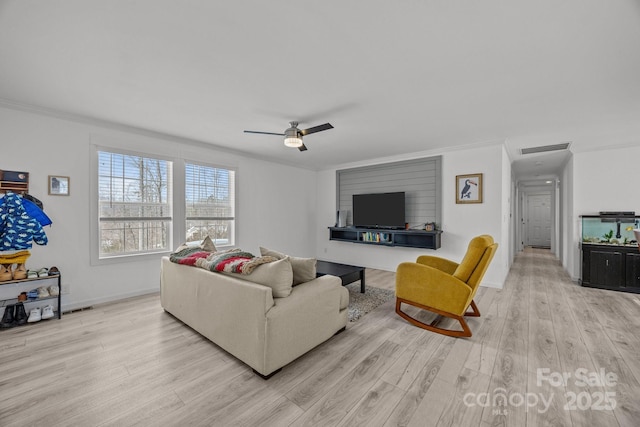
<point x="188" y="256"/>
<point x="235" y="261"/>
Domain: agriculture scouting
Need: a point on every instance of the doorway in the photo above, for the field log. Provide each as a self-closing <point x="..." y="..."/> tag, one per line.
<point x="538" y="220"/>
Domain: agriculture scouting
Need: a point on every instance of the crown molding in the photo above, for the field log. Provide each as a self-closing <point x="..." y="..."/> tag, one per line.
<point x="106" y="124"/>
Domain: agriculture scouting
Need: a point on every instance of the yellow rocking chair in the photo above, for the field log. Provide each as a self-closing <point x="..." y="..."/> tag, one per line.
<point x="445" y="287"/>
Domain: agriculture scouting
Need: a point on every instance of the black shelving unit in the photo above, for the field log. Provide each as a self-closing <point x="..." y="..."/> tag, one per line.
<point x="25" y="285"/>
<point x="382" y="237"/>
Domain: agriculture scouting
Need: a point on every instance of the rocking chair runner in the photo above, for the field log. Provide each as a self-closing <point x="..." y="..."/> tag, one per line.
<point x="445" y="287"/>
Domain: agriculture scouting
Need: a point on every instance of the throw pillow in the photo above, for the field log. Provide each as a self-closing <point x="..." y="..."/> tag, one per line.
<point x="206" y="245"/>
<point x="277" y="275"/>
<point x="304" y="269"/>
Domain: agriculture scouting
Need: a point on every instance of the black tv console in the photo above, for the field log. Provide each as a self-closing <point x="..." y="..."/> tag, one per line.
<point x="381" y="237"/>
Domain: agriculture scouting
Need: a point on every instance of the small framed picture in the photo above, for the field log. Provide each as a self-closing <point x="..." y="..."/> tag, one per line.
<point x="58" y="185"/>
<point x="469" y="188"/>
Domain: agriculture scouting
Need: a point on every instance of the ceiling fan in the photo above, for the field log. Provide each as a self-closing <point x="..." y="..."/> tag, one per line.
<point x="293" y="135"/>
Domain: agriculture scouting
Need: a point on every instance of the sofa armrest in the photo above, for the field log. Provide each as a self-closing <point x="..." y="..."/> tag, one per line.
<point x="431" y="287"/>
<point x="313" y="313"/>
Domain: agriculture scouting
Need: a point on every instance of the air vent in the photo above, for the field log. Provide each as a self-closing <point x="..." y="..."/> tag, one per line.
<point x="545" y="148"/>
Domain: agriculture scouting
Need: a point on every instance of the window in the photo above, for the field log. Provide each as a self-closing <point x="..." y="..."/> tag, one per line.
<point x="134" y="204"/>
<point x="210" y="204"/>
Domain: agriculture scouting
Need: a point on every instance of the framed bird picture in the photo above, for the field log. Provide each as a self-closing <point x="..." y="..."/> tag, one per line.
<point x="469" y="188"/>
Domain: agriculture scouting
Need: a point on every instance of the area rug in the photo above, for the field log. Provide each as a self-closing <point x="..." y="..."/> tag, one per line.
<point x="361" y="304"/>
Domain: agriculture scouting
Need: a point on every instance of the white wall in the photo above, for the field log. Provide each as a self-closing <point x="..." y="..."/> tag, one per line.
<point x="602" y="181"/>
<point x="276" y="206"/>
<point x="279" y="206"/>
<point x="460" y="222"/>
<point x="507" y="220"/>
<point x="568" y="227"/>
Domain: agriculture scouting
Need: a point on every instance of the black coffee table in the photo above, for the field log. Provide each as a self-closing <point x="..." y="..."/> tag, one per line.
<point x="346" y="273"/>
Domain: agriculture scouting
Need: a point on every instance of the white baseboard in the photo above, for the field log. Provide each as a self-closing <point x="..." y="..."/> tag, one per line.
<point x="77" y="305"/>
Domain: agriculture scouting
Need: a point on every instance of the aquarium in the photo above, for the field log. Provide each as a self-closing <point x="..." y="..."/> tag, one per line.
<point x="610" y="228"/>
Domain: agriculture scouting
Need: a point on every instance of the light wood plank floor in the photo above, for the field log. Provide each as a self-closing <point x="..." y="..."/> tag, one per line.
<point x="129" y="363"/>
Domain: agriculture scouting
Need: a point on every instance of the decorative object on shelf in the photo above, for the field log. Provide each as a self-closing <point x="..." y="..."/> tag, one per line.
<point x="469" y="188"/>
<point x="14" y="181"/>
<point x="59" y="185"/>
<point x="430" y="226"/>
<point x="341" y="218"/>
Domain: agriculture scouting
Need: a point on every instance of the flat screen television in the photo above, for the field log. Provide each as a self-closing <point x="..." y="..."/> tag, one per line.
<point x="380" y="210"/>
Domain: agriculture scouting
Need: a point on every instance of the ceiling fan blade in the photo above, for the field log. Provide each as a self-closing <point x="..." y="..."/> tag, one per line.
<point x="315" y="129"/>
<point x="303" y="148"/>
<point x="263" y="133"/>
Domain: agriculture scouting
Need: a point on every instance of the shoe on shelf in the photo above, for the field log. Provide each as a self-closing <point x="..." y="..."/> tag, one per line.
<point x="20" y="314"/>
<point x="47" y="312"/>
<point x="32" y="274"/>
<point x="35" y="315"/>
<point x="5" y="272"/>
<point x="22" y="297"/>
<point x="8" y="320"/>
<point x="43" y="272"/>
<point x="43" y="292"/>
<point x="53" y="271"/>
<point x="20" y="272"/>
<point x="54" y="291"/>
<point x="32" y="294"/>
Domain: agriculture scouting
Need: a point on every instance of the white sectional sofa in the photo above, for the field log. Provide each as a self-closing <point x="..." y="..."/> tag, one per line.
<point x="246" y="320"/>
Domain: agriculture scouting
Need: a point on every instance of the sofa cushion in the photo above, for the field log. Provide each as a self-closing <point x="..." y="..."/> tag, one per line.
<point x="277" y="275"/>
<point x="304" y="269"/>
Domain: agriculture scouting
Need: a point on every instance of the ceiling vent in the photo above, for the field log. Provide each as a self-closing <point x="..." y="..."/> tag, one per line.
<point x="545" y="148"/>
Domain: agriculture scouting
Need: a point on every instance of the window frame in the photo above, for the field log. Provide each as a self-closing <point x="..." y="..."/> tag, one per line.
<point x="96" y="241"/>
<point x="178" y="223"/>
<point x="235" y="198"/>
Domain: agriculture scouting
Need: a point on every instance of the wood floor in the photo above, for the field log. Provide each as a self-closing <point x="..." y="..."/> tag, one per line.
<point x="129" y="363"/>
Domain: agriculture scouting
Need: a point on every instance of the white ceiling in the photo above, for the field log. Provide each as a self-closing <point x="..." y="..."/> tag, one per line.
<point x="393" y="77"/>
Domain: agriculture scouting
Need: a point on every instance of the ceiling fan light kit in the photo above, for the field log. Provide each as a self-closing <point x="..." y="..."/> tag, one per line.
<point x="292" y="138"/>
<point x="293" y="135"/>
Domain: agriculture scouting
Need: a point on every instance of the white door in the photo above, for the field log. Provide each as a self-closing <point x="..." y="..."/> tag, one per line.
<point x="539" y="220"/>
